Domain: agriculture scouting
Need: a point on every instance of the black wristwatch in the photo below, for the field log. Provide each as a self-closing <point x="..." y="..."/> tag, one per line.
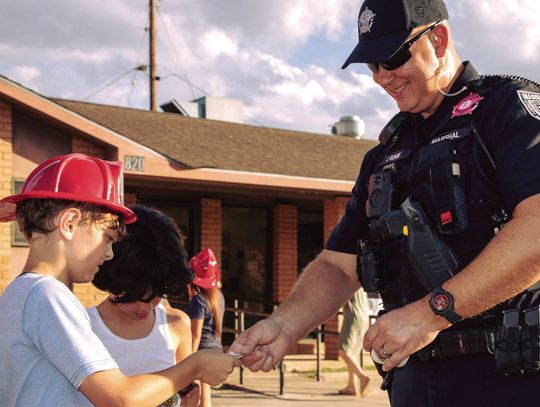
<point x="442" y="303"/>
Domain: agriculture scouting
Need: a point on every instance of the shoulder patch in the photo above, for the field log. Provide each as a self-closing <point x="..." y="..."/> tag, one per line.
<point x="531" y="102"/>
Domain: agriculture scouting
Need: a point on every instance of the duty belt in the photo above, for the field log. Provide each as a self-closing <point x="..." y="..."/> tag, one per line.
<point x="454" y="343"/>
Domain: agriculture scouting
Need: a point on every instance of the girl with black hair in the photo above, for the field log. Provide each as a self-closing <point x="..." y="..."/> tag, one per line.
<point x="142" y="332"/>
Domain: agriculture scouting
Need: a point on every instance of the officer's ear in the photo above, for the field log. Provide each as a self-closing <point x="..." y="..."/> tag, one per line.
<point x="439" y="39"/>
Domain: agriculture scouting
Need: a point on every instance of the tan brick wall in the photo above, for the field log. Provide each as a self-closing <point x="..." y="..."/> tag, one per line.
<point x="333" y="211"/>
<point x="80" y="145"/>
<point x="6" y="163"/>
<point x="285" y="254"/>
<point x="211" y="225"/>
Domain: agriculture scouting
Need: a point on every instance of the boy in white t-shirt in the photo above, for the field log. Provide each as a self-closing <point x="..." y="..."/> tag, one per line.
<point x="142" y="333"/>
<point x="71" y="212"/>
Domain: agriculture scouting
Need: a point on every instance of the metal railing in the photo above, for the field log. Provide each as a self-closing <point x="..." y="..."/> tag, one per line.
<point x="239" y="326"/>
<point x="239" y="315"/>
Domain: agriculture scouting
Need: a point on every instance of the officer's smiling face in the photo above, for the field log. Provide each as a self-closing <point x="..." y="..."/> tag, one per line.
<point x="413" y="85"/>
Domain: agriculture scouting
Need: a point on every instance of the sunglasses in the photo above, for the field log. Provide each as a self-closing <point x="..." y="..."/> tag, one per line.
<point x="401" y="56"/>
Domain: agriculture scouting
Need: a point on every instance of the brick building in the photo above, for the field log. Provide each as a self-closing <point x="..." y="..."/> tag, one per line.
<point x="263" y="199"/>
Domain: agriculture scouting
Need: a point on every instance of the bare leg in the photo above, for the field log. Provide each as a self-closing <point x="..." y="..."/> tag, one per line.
<point x="354" y="369"/>
<point x="206" y="398"/>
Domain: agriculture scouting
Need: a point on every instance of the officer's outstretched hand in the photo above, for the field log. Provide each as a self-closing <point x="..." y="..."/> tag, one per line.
<point x="401" y="332"/>
<point x="263" y="345"/>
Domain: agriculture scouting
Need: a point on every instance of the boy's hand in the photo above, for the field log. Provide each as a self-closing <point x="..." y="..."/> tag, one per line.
<point x="213" y="367"/>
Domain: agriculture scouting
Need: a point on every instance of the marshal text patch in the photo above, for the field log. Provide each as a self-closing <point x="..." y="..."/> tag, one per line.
<point x="451" y="135"/>
<point x="531" y="102"/>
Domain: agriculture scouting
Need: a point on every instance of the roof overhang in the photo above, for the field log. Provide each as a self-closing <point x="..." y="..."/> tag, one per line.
<point x="155" y="164"/>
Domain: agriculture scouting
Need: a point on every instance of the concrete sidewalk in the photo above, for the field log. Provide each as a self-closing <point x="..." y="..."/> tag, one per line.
<point x="301" y="387"/>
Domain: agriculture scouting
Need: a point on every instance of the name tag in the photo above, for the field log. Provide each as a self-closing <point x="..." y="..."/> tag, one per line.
<point x="396" y="156"/>
<point x="452" y="135"/>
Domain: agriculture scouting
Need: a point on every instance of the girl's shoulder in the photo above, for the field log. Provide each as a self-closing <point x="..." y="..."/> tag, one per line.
<point x="177" y="320"/>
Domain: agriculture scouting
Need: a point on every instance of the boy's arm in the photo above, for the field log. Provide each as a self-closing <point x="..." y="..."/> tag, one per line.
<point x="111" y="388"/>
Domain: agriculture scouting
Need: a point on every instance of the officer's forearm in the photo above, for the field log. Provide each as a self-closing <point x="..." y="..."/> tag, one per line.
<point x="508" y="265"/>
<point x="322" y="288"/>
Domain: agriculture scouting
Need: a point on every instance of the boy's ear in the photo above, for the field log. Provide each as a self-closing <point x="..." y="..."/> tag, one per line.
<point x="68" y="221"/>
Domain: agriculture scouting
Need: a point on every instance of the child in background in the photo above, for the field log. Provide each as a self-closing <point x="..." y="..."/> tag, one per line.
<point x="206" y="308"/>
<point x="71" y="211"/>
<point x="142" y="334"/>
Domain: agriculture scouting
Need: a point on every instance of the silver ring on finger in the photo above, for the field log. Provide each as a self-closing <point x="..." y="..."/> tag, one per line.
<point x="384" y="354"/>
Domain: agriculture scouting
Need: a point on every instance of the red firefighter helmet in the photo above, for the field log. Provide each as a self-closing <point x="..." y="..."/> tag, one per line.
<point x="73" y="177"/>
<point x="205" y="267"/>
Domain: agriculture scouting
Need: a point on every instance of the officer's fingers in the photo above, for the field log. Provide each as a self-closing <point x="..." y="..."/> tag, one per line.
<point x="266" y="363"/>
<point x="252" y="358"/>
<point x="397" y="360"/>
<point x="269" y="363"/>
<point x="369" y="337"/>
<point x="379" y="343"/>
<point x="246" y="342"/>
<point x="259" y="363"/>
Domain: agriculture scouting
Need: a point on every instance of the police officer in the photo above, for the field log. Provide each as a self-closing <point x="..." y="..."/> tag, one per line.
<point x="445" y="213"/>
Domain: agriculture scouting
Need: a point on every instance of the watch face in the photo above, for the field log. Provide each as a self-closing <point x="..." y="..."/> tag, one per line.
<point x="441" y="302"/>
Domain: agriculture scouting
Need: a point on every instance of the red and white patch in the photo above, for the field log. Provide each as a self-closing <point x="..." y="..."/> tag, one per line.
<point x="467" y="105"/>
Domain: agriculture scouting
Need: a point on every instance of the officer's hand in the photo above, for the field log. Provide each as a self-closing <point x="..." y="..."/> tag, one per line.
<point x="264" y="344"/>
<point x="403" y="331"/>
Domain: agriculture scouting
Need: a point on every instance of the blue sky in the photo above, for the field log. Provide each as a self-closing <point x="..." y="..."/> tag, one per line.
<point x="281" y="57"/>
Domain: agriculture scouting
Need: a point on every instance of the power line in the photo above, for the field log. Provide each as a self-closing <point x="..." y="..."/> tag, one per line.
<point x="175" y="53"/>
<point x="182" y="78"/>
<point x="254" y="121"/>
<point x="138" y="64"/>
<point x="108" y="84"/>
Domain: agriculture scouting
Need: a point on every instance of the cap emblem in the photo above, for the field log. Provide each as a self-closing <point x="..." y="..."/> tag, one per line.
<point x="365" y="21"/>
<point x="467" y="105"/>
<point x="420" y="12"/>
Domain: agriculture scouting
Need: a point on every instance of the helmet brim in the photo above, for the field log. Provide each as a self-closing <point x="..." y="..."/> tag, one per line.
<point x="8" y="205"/>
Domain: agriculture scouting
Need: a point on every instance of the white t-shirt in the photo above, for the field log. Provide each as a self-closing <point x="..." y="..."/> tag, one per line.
<point x="47" y="346"/>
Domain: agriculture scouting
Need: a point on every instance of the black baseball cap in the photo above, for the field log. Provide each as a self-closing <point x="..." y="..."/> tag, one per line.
<point x="384" y="25"/>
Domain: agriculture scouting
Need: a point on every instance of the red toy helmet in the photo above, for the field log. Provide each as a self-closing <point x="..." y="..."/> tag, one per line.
<point x="205" y="267"/>
<point x="73" y="177"/>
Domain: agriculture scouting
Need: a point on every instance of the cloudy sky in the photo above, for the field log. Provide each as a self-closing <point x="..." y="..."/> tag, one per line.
<point x="281" y="57"/>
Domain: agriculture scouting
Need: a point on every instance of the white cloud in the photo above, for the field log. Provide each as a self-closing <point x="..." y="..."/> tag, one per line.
<point x="216" y="42"/>
<point x="281" y="57"/>
<point x="27" y="75"/>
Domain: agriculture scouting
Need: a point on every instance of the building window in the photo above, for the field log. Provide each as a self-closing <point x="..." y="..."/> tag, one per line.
<point x="17" y="237"/>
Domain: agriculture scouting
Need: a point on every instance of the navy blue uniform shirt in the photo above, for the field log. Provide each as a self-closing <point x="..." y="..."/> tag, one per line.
<point x="507" y="116"/>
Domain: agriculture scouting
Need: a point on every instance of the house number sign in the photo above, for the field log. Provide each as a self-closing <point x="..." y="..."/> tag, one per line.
<point x="134" y="163"/>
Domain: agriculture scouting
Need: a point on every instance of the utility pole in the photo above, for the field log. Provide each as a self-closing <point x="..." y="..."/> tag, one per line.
<point x="152" y="57"/>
